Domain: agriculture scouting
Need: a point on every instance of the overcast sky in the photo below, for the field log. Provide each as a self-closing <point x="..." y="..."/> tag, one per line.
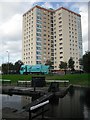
<point x="11" y="24"/>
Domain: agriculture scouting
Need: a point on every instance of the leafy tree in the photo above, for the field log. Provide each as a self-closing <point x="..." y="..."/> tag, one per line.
<point x="63" y="65"/>
<point x="81" y="63"/>
<point x="48" y="62"/>
<point x="71" y="64"/>
<point x="85" y="61"/>
<point x="17" y="66"/>
<point x="4" y="68"/>
<point x="11" y="67"/>
<point x="7" y="68"/>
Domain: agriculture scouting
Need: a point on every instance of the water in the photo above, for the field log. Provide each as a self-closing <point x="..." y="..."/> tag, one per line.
<point x="76" y="104"/>
<point x="15" y="101"/>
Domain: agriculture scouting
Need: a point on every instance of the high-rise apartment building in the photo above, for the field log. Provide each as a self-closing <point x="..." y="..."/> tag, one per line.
<point x="51" y="35"/>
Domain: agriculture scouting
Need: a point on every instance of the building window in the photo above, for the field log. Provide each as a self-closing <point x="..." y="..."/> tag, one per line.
<point x="60" y="30"/>
<point x="39" y="26"/>
<point x="51" y="17"/>
<point x="51" y="21"/>
<point x="61" y="52"/>
<point x="51" y="25"/>
<point x="61" y="57"/>
<point x="38" y="34"/>
<point x="38" y="48"/>
<point x="59" y="18"/>
<point x="38" y="52"/>
<point x="60" y="43"/>
<point x="44" y="34"/>
<point x="38" y="30"/>
<point x="39" y="18"/>
<point x="60" y="22"/>
<point x="60" y="39"/>
<point x="38" y="43"/>
<point x="38" y="21"/>
<point x="38" y="39"/>
<point x="60" y="34"/>
<point x="51" y="37"/>
<point x="51" y="13"/>
<point x="61" y="48"/>
<point x="60" y="26"/>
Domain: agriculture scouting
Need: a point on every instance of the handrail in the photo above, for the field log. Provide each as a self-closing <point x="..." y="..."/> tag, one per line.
<point x="39" y="105"/>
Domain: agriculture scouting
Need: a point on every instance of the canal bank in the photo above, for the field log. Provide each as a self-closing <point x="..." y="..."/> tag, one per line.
<point x="66" y="102"/>
<point x="75" y="105"/>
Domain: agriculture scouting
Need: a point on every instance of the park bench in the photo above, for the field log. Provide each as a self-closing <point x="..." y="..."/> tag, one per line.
<point x="58" y="81"/>
<point x="23" y="83"/>
<point x="6" y="82"/>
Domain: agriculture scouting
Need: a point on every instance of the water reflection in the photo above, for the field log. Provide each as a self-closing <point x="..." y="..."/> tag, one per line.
<point x="85" y="97"/>
<point x="15" y="101"/>
<point x="76" y="104"/>
<point x="85" y="101"/>
<point x="71" y="92"/>
<point x="73" y="105"/>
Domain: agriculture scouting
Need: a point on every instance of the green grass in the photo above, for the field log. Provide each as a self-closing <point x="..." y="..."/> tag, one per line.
<point x="78" y="79"/>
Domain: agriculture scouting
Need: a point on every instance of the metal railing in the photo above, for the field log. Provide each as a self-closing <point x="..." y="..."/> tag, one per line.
<point x="38" y="106"/>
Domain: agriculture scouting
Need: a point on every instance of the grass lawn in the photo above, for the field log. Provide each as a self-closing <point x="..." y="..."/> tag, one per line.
<point x="77" y="79"/>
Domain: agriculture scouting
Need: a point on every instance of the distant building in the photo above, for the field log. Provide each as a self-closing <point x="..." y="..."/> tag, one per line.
<point x="51" y="34"/>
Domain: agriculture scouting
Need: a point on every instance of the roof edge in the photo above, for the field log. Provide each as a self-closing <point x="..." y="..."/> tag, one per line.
<point x="68" y="11"/>
<point x="37" y="6"/>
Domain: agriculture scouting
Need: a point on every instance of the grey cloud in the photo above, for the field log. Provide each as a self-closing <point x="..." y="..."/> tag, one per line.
<point x="8" y="9"/>
<point x="11" y="38"/>
<point x="13" y="47"/>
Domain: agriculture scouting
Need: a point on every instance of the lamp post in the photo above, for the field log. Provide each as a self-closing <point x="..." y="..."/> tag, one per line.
<point x="8" y="61"/>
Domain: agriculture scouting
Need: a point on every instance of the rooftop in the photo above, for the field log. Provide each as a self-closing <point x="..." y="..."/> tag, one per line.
<point x="52" y="10"/>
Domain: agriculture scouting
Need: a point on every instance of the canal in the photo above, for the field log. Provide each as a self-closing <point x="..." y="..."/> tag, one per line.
<point x="75" y="105"/>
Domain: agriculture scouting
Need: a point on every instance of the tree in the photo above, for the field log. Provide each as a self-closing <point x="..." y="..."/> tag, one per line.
<point x="4" y="68"/>
<point x="7" y="68"/>
<point x="63" y="65"/>
<point x="17" y="66"/>
<point x="85" y="61"/>
<point x="81" y="63"/>
<point x="11" y="68"/>
<point x="48" y="62"/>
<point x="71" y="64"/>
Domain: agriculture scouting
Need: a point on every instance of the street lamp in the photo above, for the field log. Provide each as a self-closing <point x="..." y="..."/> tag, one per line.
<point x="8" y="61"/>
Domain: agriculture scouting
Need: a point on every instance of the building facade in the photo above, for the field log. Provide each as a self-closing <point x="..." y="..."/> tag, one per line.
<point x="51" y="35"/>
